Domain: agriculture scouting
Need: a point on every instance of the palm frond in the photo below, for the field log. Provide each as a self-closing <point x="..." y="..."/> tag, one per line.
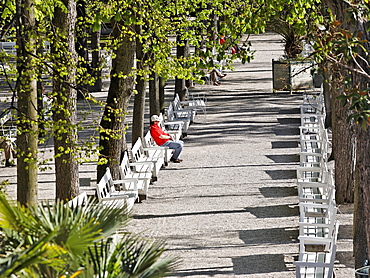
<point x="15" y="217"/>
<point x="138" y="257"/>
<point x="55" y="240"/>
<point x="41" y="252"/>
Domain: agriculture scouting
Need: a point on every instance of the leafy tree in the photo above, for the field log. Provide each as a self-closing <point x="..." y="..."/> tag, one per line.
<point x="343" y="43"/>
<point x="27" y="138"/>
<point x="64" y="100"/>
<point x="112" y="140"/>
<point x="61" y="64"/>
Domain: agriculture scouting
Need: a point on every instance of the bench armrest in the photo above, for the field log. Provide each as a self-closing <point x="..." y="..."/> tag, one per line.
<point x="152" y="148"/>
<point x="115" y="198"/>
<point x="140" y="163"/>
<point x="174" y="122"/>
<point x="128" y="180"/>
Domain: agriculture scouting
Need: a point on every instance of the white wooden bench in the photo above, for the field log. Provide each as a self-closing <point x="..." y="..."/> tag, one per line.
<point x="308" y="127"/>
<point x="196" y="99"/>
<point x="8" y="128"/>
<point x="173" y="128"/>
<point x="317" y="217"/>
<point x="313" y="103"/>
<point x="313" y="173"/>
<point x="314" y="149"/>
<point x="178" y="106"/>
<point x="318" y="264"/>
<point x="317" y="191"/>
<point x="316" y="221"/>
<point x="47" y="104"/>
<point x="315" y="208"/>
<point x="308" y="209"/>
<point x="312" y="113"/>
<point x="312" y="109"/>
<point x="143" y="174"/>
<point x="140" y="154"/>
<point x="315" y="232"/>
<point x="151" y="146"/>
<point x="8" y="48"/>
<point x="79" y="200"/>
<point x="106" y="190"/>
<point x="176" y="116"/>
<point x="313" y="153"/>
<point x="317" y="135"/>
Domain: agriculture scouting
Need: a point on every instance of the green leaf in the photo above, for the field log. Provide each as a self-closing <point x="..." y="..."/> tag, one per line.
<point x="118" y="17"/>
<point x="96" y="26"/>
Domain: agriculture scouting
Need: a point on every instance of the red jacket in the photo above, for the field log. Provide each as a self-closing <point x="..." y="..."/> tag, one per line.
<point x="155" y="132"/>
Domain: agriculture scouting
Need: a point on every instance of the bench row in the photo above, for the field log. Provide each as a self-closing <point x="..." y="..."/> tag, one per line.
<point x="141" y="164"/>
<point x="318" y="227"/>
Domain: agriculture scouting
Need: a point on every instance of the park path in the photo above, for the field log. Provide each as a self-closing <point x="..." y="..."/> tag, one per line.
<point x="230" y="209"/>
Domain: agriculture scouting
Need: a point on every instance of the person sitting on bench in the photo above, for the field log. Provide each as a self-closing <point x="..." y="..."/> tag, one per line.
<point x="7" y="146"/>
<point x="215" y="76"/>
<point x="164" y="139"/>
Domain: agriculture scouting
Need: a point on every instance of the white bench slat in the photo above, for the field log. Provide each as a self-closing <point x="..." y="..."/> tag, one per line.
<point x="318" y="264"/>
<point x="173" y="128"/>
<point x="106" y="190"/>
<point x="176" y="116"/>
<point x="138" y="154"/>
<point x="149" y="143"/>
<point x="181" y="111"/>
<point x="144" y="177"/>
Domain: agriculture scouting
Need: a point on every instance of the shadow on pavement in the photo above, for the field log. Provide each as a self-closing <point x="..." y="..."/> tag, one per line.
<point x="274" y="211"/>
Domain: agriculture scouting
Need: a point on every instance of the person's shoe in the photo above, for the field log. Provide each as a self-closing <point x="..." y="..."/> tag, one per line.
<point x="223" y="75"/>
<point x="176" y="160"/>
<point x="216" y="84"/>
<point x="8" y="163"/>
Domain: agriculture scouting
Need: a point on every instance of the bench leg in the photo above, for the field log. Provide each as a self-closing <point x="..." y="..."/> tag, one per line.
<point x="153" y="179"/>
<point x="141" y="197"/>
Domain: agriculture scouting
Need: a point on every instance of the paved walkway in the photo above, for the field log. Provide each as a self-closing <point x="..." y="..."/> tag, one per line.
<point x="230" y="209"/>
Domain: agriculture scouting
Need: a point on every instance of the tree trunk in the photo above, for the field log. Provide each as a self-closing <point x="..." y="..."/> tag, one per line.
<point x="154" y="94"/>
<point x="344" y="150"/>
<point x="162" y="105"/>
<point x="27" y="139"/>
<point x="343" y="132"/>
<point x="64" y="105"/>
<point x="82" y="44"/>
<point x="139" y="101"/>
<point x="362" y="188"/>
<point x="352" y="149"/>
<point x="182" y="51"/>
<point x="361" y="199"/>
<point x="328" y="99"/>
<point x="112" y="137"/>
<point x="212" y="28"/>
<point x="95" y="61"/>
